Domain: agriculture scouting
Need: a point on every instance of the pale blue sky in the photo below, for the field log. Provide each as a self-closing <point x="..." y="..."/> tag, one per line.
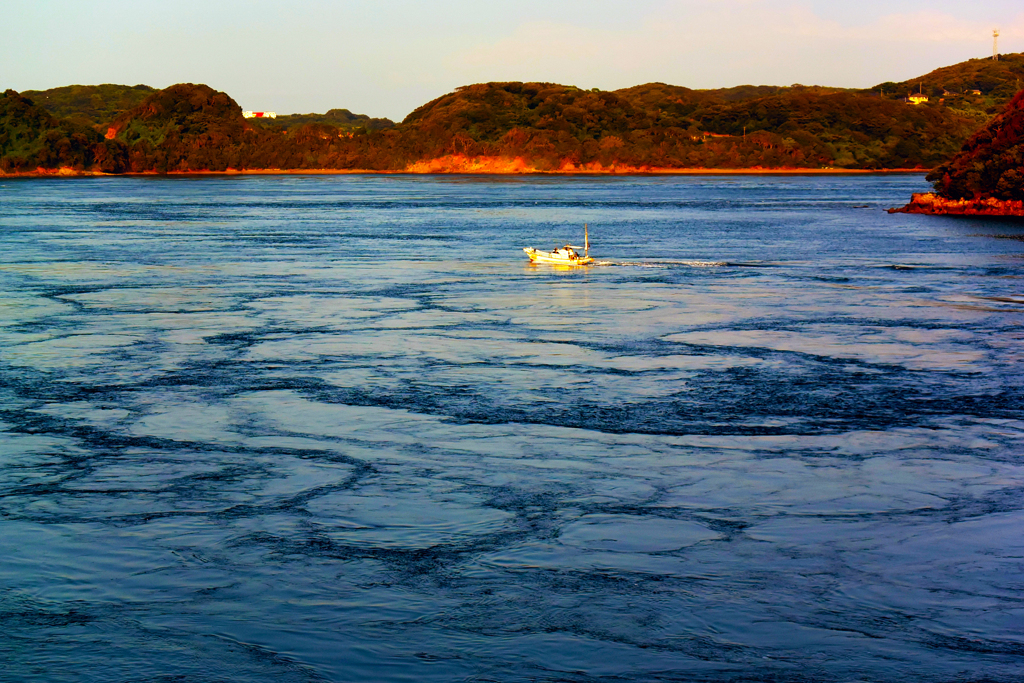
<point x="386" y="57"/>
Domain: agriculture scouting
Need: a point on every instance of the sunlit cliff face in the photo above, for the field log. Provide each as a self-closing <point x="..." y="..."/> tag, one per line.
<point x="460" y="163"/>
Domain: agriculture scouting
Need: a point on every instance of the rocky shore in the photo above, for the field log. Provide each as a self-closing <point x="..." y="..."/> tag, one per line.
<point x="457" y="164"/>
<point x="932" y="204"/>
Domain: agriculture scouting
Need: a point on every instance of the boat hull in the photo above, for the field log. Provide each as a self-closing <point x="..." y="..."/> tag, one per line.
<point x="556" y="258"/>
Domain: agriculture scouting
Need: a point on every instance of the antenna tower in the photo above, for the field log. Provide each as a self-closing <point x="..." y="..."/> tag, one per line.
<point x="995" y="45"/>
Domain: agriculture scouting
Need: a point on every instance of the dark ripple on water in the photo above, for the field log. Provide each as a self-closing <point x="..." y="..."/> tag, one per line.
<point x="335" y="429"/>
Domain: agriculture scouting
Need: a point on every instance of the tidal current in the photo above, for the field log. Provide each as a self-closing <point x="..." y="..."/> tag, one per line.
<point x="338" y="429"/>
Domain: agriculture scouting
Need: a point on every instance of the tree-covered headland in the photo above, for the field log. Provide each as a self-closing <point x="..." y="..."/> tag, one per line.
<point x="542" y="127"/>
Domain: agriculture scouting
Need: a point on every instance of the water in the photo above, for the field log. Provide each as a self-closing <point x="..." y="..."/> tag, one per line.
<point x="338" y="429"/>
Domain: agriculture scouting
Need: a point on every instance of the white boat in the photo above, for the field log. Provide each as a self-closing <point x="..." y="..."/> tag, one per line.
<point x="563" y="256"/>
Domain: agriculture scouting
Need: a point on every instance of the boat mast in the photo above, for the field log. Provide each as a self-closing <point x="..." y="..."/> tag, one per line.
<point x="586" y="242"/>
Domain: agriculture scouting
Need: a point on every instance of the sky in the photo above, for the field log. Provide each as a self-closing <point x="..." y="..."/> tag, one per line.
<point x="384" y="58"/>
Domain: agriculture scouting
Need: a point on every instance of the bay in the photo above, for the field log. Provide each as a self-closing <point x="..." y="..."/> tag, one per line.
<point x="336" y="428"/>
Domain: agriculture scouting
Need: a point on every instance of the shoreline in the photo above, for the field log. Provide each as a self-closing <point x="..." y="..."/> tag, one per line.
<point x="611" y="171"/>
<point x="931" y="204"/>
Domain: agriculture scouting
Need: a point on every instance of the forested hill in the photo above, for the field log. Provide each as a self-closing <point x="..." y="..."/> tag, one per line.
<point x="31" y="137"/>
<point x="183" y="127"/>
<point x="991" y="163"/>
<point x="658" y="125"/>
<point x="514" y="127"/>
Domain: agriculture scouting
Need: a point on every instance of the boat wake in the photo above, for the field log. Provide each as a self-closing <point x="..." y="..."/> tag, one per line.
<point x="664" y="264"/>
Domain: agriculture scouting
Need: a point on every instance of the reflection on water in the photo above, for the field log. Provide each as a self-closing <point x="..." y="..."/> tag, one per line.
<point x="338" y="429"/>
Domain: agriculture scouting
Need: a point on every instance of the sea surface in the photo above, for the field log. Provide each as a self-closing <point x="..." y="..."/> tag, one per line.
<point x="338" y="429"/>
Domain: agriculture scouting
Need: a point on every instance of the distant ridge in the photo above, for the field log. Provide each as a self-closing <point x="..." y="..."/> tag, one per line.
<point x="342" y="119"/>
<point x="514" y="127"/>
<point x="89" y="104"/>
<point x="997" y="80"/>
